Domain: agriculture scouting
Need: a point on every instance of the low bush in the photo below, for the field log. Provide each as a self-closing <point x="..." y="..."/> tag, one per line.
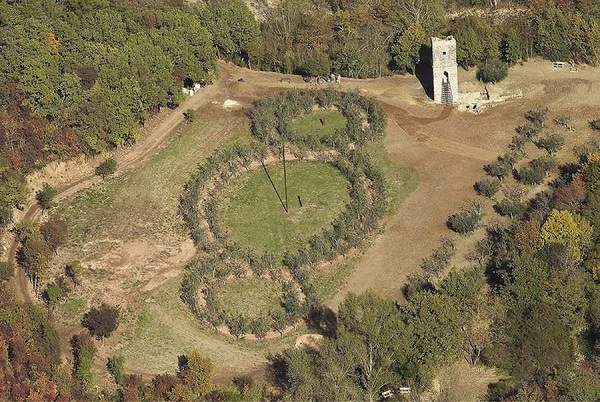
<point x="6" y="216"/>
<point x="6" y="271"/>
<point x="488" y="187"/>
<point x="588" y="147"/>
<point x="518" y="142"/>
<point x="501" y="168"/>
<point x="511" y="208"/>
<point x="515" y="192"/>
<point x="530" y="176"/>
<point x="84" y="352"/>
<point x="417" y="283"/>
<point x="52" y="295"/>
<point x="189" y="115"/>
<point x="106" y="168"/>
<point x="529" y="130"/>
<point x="544" y="164"/>
<point x="467" y="219"/>
<point x="279" y="321"/>
<point x="115" y="366"/>
<point x="317" y="66"/>
<point x="536" y="172"/>
<point x="45" y="196"/>
<point x="570" y="196"/>
<point x="440" y="258"/>
<point x="73" y="270"/>
<point x="101" y="321"/>
<point x="564" y="121"/>
<point x="259" y="327"/>
<point x="537" y="116"/>
<point x="551" y="143"/>
<point x="238" y="325"/>
<point x="595" y="124"/>
<point x="55" y="232"/>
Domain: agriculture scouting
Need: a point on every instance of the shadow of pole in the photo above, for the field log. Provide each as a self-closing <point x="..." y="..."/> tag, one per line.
<point x="273" y="185"/>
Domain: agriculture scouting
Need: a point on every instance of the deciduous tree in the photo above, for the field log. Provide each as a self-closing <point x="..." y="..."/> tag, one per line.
<point x="406" y="51"/>
<point x="492" y="71"/>
<point x="195" y="375"/>
<point x="101" y="321"/>
<point x="107" y="168"/>
<point x="45" y="196"/>
<point x="54" y="232"/>
<point x="567" y="229"/>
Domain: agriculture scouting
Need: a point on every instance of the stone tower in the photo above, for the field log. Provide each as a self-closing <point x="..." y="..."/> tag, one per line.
<point x="445" y="70"/>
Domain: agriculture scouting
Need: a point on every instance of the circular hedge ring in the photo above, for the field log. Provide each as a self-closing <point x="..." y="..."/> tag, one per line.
<point x="221" y="261"/>
<point x="365" y="119"/>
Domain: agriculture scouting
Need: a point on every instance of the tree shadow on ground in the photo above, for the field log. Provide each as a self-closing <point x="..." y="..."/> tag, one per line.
<point x="324" y="320"/>
<point x="424" y="71"/>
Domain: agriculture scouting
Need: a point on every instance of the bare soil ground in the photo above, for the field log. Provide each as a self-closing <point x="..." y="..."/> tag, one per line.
<point x="448" y="149"/>
<point x="139" y="250"/>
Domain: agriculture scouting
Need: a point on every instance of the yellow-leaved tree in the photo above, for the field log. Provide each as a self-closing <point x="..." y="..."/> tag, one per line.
<point x="569" y="230"/>
<point x="195" y="377"/>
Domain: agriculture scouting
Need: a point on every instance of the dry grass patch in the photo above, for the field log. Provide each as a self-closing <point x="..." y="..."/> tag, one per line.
<point x="164" y="328"/>
<point x="250" y="297"/>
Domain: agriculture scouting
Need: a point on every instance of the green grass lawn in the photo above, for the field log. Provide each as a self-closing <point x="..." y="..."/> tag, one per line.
<point x="401" y="181"/>
<point x="310" y="124"/>
<point x="251" y="296"/>
<point x="255" y="217"/>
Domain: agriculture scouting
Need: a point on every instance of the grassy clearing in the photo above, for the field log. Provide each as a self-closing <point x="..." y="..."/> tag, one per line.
<point x="255" y="218"/>
<point x="251" y="297"/>
<point x="327" y="281"/>
<point x="157" y="327"/>
<point x="310" y="124"/>
<point x="165" y="328"/>
<point x="71" y="310"/>
<point x="145" y="201"/>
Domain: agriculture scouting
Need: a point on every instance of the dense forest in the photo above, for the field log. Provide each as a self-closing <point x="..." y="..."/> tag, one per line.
<point x="79" y="76"/>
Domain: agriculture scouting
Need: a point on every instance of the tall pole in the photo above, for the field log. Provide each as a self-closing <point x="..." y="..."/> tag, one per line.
<point x="284" y="177"/>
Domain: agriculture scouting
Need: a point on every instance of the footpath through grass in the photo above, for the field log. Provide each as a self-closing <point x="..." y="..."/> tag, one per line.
<point x="256" y="219"/>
